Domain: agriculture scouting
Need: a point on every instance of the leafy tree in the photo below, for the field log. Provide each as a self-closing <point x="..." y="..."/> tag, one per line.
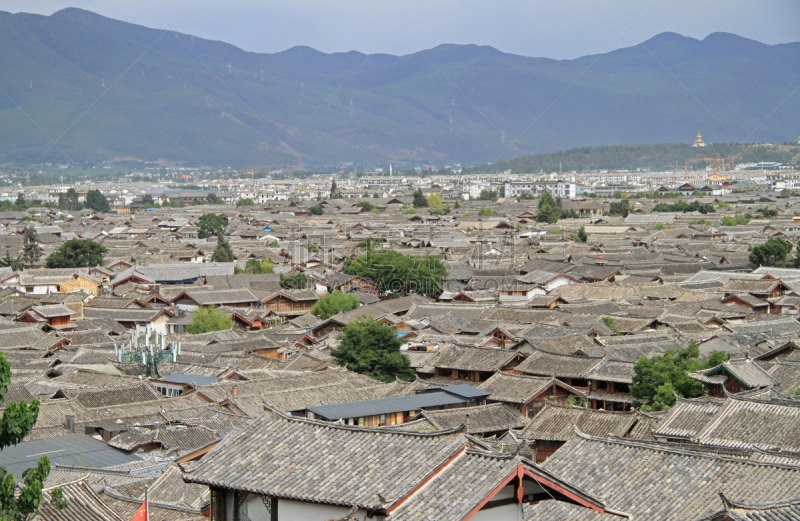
<point x="786" y="193"/>
<point x="768" y="213"/>
<point x="368" y="206"/>
<point x="488" y="195"/>
<point x="420" y="201"/>
<point x="15" y="263"/>
<point x="69" y="201"/>
<point x="312" y="248"/>
<point x="621" y="208"/>
<point x="205" y="320"/>
<point x="211" y="225"/>
<point x="435" y="201"/>
<point x="486" y="212"/>
<point x="18" y="420"/>
<point x="658" y="379"/>
<point x="148" y="200"/>
<point x="97" y="201"/>
<point x="770" y="253"/>
<point x="548" y="210"/>
<point x="683" y="206"/>
<point x="333" y="189"/>
<point x="30" y="249"/>
<point x="77" y="253"/>
<point x="223" y="252"/>
<point x="398" y="273"/>
<point x="333" y="303"/>
<point x="370" y="244"/>
<point x="659" y="227"/>
<point x="256" y="267"/>
<point x="212" y="198"/>
<point x="582" y="235"/>
<point x="316" y="210"/>
<point x="20" y="202"/>
<point x="611" y="324"/>
<point x="245" y="202"/>
<point x="736" y="220"/>
<point x="296" y="281"/>
<point x="456" y="205"/>
<point x="411" y="211"/>
<point x="372" y="348"/>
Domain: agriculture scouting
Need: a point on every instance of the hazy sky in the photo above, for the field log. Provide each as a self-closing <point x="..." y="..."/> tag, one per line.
<point x="551" y="28"/>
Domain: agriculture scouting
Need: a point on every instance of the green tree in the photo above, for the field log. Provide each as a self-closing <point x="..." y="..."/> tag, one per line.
<point x="659" y="227"/>
<point x="223" y="252"/>
<point x="611" y="324"/>
<point x="316" y="210"/>
<point x="486" y="212"/>
<point x="97" y="201"/>
<point x="212" y="198"/>
<point x="148" y="201"/>
<point x="15" y="263"/>
<point x="786" y="193"/>
<point x="581" y="236"/>
<point x="621" y="208"/>
<point x="488" y="195"/>
<point x="205" y="320"/>
<point x="245" y="202"/>
<point x="295" y="281"/>
<point x="656" y="380"/>
<point x="770" y="253"/>
<point x="372" y="348"/>
<point x="398" y="273"/>
<point x="420" y="201"/>
<point x="548" y="210"/>
<point x="333" y="303"/>
<point x="368" y="206"/>
<point x="211" y="225"/>
<point x="30" y="248"/>
<point x="435" y="201"/>
<point x="77" y="253"/>
<point x="17" y="504"/>
<point x="333" y="189"/>
<point x="456" y="205"/>
<point x="256" y="267"/>
<point x="20" y="202"/>
<point x="69" y="201"/>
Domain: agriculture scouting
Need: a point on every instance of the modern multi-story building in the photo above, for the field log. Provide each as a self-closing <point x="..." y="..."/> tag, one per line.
<point x="560" y="189"/>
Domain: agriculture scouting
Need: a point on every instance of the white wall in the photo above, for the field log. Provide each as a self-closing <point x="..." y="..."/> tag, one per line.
<point x="296" y="511"/>
<point x="503" y="513"/>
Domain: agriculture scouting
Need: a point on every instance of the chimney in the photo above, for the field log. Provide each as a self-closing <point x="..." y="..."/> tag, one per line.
<point x="70" y="423"/>
<point x="466" y="425"/>
<point x="234" y="390"/>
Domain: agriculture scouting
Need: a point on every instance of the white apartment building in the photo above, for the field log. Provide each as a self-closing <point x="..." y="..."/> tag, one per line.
<point x="559" y="189"/>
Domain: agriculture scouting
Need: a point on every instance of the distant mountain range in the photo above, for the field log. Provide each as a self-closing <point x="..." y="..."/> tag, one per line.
<point x="107" y="90"/>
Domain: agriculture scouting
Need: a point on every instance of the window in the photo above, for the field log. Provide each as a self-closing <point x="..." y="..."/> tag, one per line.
<point x="601" y="386"/>
<point x="383" y="420"/>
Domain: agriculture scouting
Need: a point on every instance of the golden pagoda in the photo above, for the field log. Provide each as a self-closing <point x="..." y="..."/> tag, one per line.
<point x="699" y="141"/>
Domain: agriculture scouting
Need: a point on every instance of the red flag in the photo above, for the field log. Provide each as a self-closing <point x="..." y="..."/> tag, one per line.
<point x="141" y="514"/>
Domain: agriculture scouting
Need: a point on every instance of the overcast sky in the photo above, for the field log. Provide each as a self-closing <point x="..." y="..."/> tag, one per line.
<point x="550" y="28"/>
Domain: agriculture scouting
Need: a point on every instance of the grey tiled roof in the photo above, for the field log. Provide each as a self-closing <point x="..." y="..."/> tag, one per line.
<point x="479" y="420"/>
<point x="654" y="481"/>
<point x="311" y="461"/>
<point x="555" y="422"/>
